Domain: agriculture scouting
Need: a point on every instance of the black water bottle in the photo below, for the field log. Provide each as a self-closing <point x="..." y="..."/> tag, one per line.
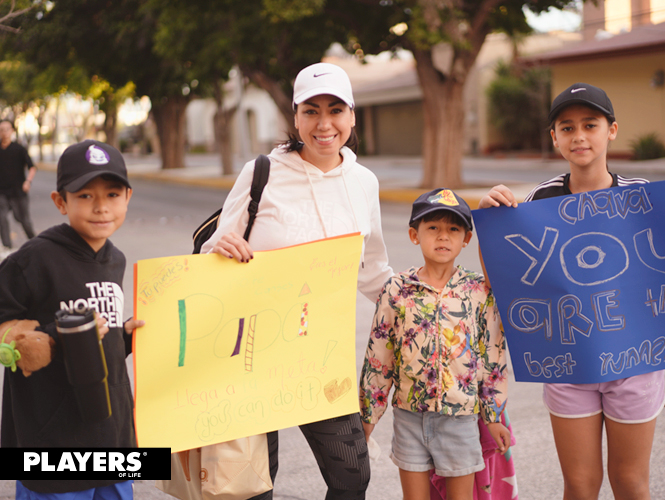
<point x="85" y="362"/>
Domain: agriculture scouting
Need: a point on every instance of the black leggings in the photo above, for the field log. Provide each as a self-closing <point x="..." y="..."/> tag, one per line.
<point x="340" y="449"/>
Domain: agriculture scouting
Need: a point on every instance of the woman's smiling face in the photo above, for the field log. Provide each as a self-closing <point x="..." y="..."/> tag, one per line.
<point x="324" y="123"/>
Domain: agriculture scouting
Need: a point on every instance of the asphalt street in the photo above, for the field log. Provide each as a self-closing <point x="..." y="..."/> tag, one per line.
<point x="160" y="221"/>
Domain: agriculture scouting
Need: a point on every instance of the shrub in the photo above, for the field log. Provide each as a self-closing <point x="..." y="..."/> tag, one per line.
<point x="198" y="148"/>
<point x="519" y="104"/>
<point x="648" y="147"/>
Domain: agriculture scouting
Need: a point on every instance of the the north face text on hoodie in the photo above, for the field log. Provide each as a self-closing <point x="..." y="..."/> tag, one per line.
<point x="106" y="297"/>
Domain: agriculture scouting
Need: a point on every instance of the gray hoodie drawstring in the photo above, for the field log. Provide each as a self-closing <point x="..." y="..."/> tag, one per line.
<point x="355" y="219"/>
<point x="316" y="201"/>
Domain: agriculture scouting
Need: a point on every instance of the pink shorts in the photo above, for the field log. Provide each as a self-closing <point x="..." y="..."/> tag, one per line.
<point x="632" y="400"/>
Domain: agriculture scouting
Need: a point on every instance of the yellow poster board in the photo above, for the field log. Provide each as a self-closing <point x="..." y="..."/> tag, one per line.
<point x="231" y="350"/>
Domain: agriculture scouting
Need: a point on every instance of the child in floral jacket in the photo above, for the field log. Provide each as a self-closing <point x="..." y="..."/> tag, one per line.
<point x="436" y="336"/>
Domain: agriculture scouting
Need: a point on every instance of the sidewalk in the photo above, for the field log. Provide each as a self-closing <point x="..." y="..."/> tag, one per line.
<point x="399" y="177"/>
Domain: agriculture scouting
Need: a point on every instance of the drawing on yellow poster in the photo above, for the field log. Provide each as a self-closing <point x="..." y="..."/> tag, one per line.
<point x="231" y="350"/>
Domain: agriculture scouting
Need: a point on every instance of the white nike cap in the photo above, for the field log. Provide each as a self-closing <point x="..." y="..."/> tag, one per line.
<point x="320" y="79"/>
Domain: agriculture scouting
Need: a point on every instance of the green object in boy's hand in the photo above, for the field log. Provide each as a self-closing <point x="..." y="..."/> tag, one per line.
<point x="8" y="354"/>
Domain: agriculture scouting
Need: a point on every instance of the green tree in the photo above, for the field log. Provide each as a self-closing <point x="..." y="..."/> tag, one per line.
<point x="190" y="31"/>
<point x="109" y="99"/>
<point x="163" y="46"/>
<point x="114" y="41"/>
<point x="277" y="38"/>
<point x="274" y="39"/>
<point x="23" y="86"/>
<point x="456" y="29"/>
<point x="268" y="40"/>
<point x="299" y="32"/>
<point x="10" y="9"/>
<point x="519" y="105"/>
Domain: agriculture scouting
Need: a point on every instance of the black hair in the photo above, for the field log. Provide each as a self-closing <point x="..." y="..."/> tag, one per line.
<point x="106" y="177"/>
<point x="437" y="215"/>
<point x="295" y="144"/>
<point x="8" y="121"/>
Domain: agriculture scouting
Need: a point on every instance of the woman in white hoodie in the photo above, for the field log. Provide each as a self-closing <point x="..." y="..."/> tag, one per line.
<point x="316" y="190"/>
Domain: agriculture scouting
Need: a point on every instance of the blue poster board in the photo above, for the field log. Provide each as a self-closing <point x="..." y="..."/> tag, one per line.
<point x="580" y="283"/>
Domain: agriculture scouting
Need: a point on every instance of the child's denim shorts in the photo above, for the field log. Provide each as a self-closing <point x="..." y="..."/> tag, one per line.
<point x="632" y="400"/>
<point x="118" y="491"/>
<point x="425" y="441"/>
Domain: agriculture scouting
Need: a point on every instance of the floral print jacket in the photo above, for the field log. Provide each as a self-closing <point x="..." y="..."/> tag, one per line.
<point x="444" y="350"/>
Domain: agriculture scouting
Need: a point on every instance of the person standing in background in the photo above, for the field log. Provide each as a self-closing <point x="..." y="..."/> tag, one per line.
<point x="14" y="185"/>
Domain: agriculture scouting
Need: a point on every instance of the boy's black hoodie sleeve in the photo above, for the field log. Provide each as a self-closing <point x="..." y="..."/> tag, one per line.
<point x="15" y="296"/>
<point x="14" y="291"/>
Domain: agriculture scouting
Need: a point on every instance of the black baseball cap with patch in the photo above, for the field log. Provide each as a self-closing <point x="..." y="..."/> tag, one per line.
<point x="585" y="94"/>
<point x="82" y="162"/>
<point x="441" y="199"/>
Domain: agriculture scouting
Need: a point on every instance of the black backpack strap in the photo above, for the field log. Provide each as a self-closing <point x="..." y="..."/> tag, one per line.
<point x="261" y="174"/>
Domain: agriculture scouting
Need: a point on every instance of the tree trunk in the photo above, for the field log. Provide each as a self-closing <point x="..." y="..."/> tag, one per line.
<point x="27" y="139"/>
<point x="40" y="138"/>
<point x="54" y="140"/>
<point x="110" y="125"/>
<point x="278" y="95"/>
<point x="169" y="115"/>
<point x="222" y="127"/>
<point x="443" y="103"/>
<point x="443" y="134"/>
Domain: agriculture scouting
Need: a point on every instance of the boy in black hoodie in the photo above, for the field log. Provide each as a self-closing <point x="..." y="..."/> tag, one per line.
<point x="68" y="267"/>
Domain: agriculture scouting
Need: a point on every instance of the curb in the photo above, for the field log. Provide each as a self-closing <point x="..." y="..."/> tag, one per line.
<point x="207" y="182"/>
<point x="394" y="195"/>
<point x="409" y="195"/>
<point x="404" y="195"/>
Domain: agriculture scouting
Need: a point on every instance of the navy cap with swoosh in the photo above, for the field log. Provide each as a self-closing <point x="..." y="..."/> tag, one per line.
<point x="585" y="94"/>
